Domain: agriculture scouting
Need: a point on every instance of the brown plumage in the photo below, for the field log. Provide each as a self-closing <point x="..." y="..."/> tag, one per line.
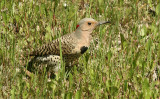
<point x="73" y="45"/>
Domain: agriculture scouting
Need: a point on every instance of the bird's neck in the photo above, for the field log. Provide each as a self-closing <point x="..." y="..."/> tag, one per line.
<point x="83" y="37"/>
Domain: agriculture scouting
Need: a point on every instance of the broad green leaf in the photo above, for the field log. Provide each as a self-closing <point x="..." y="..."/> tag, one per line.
<point x="78" y="94"/>
<point x="158" y="9"/>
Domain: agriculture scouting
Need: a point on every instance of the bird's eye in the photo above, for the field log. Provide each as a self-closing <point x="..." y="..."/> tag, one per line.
<point x="89" y="23"/>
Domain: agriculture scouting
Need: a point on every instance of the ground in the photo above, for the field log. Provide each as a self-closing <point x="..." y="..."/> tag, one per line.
<point x="120" y="62"/>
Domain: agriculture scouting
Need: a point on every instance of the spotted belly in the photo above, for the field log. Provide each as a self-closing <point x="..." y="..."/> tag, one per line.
<point x="54" y="62"/>
<point x="70" y="59"/>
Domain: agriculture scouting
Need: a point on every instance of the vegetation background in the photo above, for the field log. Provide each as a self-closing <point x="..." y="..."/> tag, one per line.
<point x="120" y="63"/>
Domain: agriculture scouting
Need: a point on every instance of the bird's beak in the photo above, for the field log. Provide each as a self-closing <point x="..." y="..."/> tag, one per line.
<point x="103" y="22"/>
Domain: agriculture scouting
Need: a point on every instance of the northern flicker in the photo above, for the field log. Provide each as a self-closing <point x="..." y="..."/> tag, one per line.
<point x="73" y="45"/>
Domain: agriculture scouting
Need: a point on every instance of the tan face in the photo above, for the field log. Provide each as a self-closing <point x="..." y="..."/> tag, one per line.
<point x="89" y="25"/>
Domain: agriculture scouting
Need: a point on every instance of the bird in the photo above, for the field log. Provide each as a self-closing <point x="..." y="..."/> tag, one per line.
<point x="73" y="45"/>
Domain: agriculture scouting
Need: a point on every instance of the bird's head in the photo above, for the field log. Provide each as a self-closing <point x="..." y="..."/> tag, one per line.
<point x="89" y="24"/>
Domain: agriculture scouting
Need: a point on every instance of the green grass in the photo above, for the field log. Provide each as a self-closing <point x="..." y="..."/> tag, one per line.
<point x="119" y="64"/>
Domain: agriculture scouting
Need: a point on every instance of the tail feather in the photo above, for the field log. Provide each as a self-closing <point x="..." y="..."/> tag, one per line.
<point x="30" y="66"/>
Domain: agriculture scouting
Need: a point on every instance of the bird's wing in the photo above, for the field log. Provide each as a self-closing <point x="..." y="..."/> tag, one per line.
<point x="53" y="47"/>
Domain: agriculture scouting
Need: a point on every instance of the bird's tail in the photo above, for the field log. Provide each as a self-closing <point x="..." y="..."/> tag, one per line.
<point x="29" y="68"/>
